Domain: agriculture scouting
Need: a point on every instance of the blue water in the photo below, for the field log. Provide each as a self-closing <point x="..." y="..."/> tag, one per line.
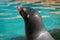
<point x="12" y="25"/>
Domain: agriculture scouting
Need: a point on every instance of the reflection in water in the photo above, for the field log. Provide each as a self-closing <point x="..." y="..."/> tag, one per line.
<point x="55" y="33"/>
<point x="18" y="38"/>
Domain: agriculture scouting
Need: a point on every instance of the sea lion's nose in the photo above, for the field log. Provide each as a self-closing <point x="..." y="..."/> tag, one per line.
<point x="21" y="8"/>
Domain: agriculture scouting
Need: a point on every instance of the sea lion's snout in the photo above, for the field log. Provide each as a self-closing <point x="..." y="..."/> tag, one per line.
<point x="21" y="8"/>
<point x="22" y="11"/>
<point x="26" y="12"/>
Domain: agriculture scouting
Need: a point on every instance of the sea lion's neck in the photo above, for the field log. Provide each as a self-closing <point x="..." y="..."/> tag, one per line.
<point x="35" y="21"/>
<point x="34" y="26"/>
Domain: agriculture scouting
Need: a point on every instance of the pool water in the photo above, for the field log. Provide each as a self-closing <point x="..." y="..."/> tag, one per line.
<point x="12" y="24"/>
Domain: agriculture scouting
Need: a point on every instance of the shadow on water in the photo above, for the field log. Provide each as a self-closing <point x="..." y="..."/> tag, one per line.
<point x="19" y="38"/>
<point x="55" y="33"/>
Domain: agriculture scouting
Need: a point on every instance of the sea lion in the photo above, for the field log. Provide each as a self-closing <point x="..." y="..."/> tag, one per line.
<point x="34" y="26"/>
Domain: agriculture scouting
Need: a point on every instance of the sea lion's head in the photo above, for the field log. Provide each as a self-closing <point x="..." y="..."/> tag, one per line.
<point x="27" y="12"/>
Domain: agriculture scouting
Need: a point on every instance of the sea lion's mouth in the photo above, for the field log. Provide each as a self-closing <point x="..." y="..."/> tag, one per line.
<point x="22" y="11"/>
